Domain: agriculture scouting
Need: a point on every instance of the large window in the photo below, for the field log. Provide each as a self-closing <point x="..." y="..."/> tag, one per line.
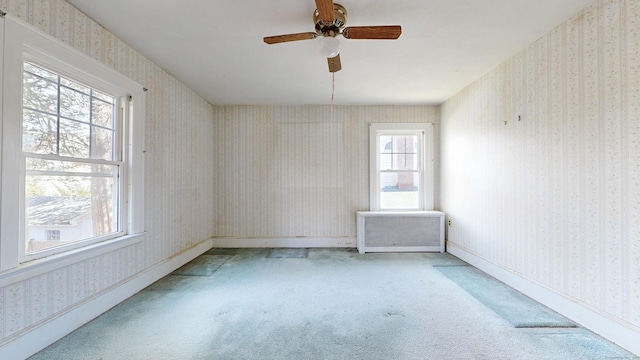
<point x="401" y="167"/>
<point x="72" y="149"/>
<point x="72" y="157"/>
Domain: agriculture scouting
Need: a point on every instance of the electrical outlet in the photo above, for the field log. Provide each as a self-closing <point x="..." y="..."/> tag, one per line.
<point x="449" y="223"/>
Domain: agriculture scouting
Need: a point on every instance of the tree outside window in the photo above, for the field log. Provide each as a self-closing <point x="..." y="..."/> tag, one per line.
<point x="69" y="143"/>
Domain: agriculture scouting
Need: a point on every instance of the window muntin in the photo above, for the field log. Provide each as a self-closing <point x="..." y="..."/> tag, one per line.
<point x="71" y="158"/>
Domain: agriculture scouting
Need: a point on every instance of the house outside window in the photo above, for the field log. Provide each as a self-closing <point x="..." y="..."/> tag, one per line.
<point x="72" y="156"/>
<point x="53" y="235"/>
<point x="401" y="166"/>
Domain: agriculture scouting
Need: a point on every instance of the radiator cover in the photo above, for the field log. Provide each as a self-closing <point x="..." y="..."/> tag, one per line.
<point x="416" y="231"/>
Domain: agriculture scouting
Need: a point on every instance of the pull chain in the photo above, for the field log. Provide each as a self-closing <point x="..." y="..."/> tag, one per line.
<point x="333" y="90"/>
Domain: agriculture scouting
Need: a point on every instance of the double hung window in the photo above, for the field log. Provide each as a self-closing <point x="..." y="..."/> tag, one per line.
<point x="72" y="153"/>
<point x="72" y="149"/>
<point x="401" y="167"/>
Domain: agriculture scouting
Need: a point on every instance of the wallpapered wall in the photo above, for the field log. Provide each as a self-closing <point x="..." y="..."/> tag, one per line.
<point x="178" y="173"/>
<point x="555" y="197"/>
<point x="294" y="170"/>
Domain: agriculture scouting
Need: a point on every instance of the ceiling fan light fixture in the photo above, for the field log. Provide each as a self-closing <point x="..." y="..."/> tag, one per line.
<point x="330" y="20"/>
<point x="329" y="46"/>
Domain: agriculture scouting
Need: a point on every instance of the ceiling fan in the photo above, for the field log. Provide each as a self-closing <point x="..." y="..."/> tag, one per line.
<point x="330" y="21"/>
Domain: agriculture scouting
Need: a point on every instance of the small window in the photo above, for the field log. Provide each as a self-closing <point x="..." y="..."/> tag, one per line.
<point x="401" y="167"/>
<point x="53" y="235"/>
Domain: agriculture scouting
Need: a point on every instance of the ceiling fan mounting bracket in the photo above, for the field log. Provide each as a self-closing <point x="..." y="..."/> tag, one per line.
<point x="334" y="28"/>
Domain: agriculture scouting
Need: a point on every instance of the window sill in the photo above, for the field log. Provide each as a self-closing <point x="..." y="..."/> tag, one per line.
<point x="51" y="263"/>
<point x="400" y="213"/>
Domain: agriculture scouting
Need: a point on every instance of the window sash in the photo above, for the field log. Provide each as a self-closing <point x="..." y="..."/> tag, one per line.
<point x="61" y="159"/>
<point x="71" y="108"/>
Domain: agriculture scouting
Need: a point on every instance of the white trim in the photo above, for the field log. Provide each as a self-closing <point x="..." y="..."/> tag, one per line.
<point x="623" y="334"/>
<point x="64" y="59"/>
<point x="135" y="151"/>
<point x="51" y="263"/>
<point x="31" y="340"/>
<point x="373" y="249"/>
<point x="284" y="242"/>
<point x="4" y="258"/>
<point x="11" y="145"/>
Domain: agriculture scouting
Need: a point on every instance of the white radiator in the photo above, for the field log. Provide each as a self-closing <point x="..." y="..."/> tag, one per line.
<point x="400" y="231"/>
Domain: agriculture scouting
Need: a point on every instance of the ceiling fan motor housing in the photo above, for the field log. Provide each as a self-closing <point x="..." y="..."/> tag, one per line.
<point x="334" y="28"/>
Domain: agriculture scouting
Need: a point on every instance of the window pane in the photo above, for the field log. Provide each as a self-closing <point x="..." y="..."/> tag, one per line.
<point x="79" y="207"/>
<point x="399" y="190"/>
<point x="405" y="162"/>
<point x="399" y="144"/>
<point x="386" y="161"/>
<point x="74" y="85"/>
<point x="40" y="72"/>
<point x="104" y="97"/>
<point x="399" y="152"/>
<point x="74" y="105"/>
<point x="39" y="94"/>
<point x="386" y="144"/>
<point x="74" y="139"/>
<point x="101" y="144"/>
<point x="39" y="133"/>
<point x="102" y="113"/>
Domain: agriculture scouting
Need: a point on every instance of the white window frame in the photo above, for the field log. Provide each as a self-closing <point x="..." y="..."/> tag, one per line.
<point x="23" y="42"/>
<point x="425" y="163"/>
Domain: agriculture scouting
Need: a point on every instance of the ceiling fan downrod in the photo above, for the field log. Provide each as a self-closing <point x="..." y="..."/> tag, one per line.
<point x="331" y="28"/>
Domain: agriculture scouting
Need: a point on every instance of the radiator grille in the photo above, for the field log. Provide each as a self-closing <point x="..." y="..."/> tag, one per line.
<point x="385" y="232"/>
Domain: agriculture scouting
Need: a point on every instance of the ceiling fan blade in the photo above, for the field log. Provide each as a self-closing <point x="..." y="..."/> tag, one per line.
<point x="388" y="32"/>
<point x="325" y="9"/>
<point x="334" y="63"/>
<point x="290" y="37"/>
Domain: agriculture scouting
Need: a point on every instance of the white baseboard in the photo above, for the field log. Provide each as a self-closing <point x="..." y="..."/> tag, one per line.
<point x="612" y="329"/>
<point x="292" y="242"/>
<point x="36" y="339"/>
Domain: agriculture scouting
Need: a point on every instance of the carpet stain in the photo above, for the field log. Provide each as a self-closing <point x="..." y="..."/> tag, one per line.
<point x="203" y="265"/>
<point x="390" y="314"/>
<point x="297" y="253"/>
<point x="513" y="306"/>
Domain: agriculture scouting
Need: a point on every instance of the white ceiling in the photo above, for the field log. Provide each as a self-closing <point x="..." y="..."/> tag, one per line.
<point x="216" y="47"/>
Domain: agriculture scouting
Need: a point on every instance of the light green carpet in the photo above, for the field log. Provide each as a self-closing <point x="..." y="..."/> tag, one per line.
<point x="518" y="309"/>
<point x="333" y="304"/>
<point x="204" y="265"/>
